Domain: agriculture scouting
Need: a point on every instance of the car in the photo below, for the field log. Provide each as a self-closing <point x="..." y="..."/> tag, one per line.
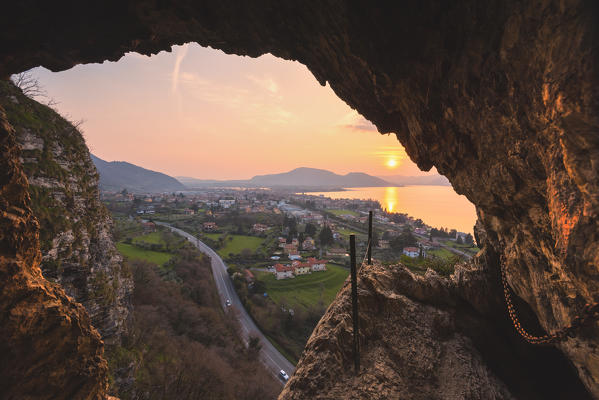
<point x="228" y="303"/>
<point x="284" y="375"/>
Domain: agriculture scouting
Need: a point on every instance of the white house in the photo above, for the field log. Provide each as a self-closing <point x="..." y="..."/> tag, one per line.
<point x="317" y="265"/>
<point x="411" y="251"/>
<point x="283" y="271"/>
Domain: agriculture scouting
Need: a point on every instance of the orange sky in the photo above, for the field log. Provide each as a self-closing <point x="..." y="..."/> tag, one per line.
<point x="199" y="112"/>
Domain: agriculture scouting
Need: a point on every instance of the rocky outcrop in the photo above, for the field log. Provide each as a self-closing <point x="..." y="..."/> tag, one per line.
<point x="75" y="228"/>
<point x="427" y="337"/>
<point x="49" y="349"/>
<point x="499" y="95"/>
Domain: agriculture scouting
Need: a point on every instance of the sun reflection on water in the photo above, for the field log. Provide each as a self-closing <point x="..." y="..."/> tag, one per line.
<point x="390" y="199"/>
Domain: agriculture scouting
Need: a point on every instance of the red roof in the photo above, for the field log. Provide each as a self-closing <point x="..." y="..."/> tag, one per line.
<point x="283" y="268"/>
<point x="312" y="261"/>
<point x="411" y="249"/>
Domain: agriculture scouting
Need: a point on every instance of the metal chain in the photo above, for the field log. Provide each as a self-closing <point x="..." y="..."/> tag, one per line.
<point x="590" y="314"/>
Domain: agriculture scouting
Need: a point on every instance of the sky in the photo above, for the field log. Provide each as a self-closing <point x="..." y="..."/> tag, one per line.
<point x="201" y="113"/>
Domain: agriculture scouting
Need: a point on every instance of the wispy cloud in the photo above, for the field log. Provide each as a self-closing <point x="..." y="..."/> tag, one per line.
<point x="356" y="122"/>
<point x="181" y="53"/>
<point x="266" y="83"/>
<point x="254" y="107"/>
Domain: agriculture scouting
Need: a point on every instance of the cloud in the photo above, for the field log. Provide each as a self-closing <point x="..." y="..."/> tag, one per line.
<point x="356" y="122"/>
<point x="265" y="83"/>
<point x="251" y="106"/>
<point x="181" y="53"/>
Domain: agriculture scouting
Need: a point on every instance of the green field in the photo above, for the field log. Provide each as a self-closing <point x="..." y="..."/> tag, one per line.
<point x="213" y="236"/>
<point x="342" y="212"/>
<point x="154" y="238"/>
<point x="306" y="290"/>
<point x="441" y="253"/>
<point x="238" y="243"/>
<point x="133" y="252"/>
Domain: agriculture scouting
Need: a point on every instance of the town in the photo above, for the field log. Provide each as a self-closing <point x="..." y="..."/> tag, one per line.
<point x="286" y="253"/>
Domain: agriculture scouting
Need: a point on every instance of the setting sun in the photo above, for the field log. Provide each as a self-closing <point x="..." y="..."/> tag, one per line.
<point x="391" y="163"/>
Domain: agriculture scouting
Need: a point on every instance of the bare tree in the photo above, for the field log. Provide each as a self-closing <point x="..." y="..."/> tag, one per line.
<point x="29" y="85"/>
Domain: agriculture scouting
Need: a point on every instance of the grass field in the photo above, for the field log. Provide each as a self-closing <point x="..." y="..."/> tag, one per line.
<point x="238" y="243"/>
<point x="150" y="238"/>
<point x="213" y="236"/>
<point x="133" y="252"/>
<point x="442" y="253"/>
<point x="343" y="212"/>
<point x="306" y="290"/>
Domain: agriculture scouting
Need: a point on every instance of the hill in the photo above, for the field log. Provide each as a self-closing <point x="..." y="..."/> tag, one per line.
<point x="119" y="175"/>
<point x="299" y="177"/>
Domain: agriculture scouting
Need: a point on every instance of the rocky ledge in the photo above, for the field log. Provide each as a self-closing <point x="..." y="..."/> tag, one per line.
<point x="425" y="337"/>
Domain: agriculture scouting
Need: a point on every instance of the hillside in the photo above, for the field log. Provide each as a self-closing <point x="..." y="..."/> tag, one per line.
<point x="299" y="177"/>
<point x="119" y="175"/>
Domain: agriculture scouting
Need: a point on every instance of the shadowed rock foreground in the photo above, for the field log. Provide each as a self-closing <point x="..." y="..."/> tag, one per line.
<point x="500" y="96"/>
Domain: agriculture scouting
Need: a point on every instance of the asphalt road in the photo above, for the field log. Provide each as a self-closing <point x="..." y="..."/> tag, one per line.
<point x="270" y="356"/>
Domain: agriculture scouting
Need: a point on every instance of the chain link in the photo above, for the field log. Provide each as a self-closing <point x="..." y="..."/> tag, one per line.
<point x="590" y="314"/>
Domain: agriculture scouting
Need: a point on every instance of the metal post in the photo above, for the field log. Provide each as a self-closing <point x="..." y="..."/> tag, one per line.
<point x="354" y="300"/>
<point x="370" y="238"/>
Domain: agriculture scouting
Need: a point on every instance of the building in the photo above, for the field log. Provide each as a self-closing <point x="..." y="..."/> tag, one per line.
<point x="226" y="203"/>
<point x="249" y="276"/>
<point x="309" y="244"/>
<point x="337" y="251"/>
<point x="283" y="271"/>
<point x="302" y="269"/>
<point x="209" y="226"/>
<point x="411" y="251"/>
<point x="383" y="244"/>
<point x="317" y="265"/>
<point x="188" y="211"/>
<point x="149" y="227"/>
<point x="290" y="248"/>
<point x="294" y="255"/>
<point x="259" y="228"/>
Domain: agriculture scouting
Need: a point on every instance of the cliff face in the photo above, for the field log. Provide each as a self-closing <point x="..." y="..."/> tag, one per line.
<point x="49" y="349"/>
<point x="75" y="228"/>
<point x="501" y="96"/>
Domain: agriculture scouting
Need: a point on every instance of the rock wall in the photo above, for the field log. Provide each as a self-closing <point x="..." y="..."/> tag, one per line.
<point x="49" y="349"/>
<point x="75" y="228"/>
<point x="501" y="96"/>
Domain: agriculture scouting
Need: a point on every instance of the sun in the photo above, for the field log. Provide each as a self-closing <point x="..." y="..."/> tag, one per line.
<point x="391" y="163"/>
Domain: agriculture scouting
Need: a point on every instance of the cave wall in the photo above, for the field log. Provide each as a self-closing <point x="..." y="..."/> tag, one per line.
<point x="499" y="96"/>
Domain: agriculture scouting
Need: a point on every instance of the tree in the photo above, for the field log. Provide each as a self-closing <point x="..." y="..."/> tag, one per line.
<point x="325" y="236"/>
<point x="310" y="229"/>
<point x="468" y="239"/>
<point x="459" y="240"/>
<point x="404" y="240"/>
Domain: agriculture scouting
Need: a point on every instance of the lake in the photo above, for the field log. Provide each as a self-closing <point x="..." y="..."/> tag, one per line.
<point x="437" y="206"/>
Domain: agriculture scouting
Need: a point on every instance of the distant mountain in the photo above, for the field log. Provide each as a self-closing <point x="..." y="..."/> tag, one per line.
<point x="430" y="180"/>
<point x="299" y="177"/>
<point x="119" y="175"/>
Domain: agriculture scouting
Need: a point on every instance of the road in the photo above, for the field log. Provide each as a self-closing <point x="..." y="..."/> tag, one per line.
<point x="270" y="356"/>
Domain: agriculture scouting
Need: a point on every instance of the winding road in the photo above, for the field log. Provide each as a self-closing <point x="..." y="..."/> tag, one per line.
<point x="270" y="356"/>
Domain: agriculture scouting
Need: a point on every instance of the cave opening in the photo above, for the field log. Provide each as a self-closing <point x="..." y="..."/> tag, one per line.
<point x="498" y="97"/>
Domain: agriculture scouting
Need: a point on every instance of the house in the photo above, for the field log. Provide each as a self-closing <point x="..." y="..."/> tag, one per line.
<point x="249" y="276"/>
<point x="411" y="251"/>
<point x="421" y="231"/>
<point x="226" y="203"/>
<point x="337" y="251"/>
<point x="309" y="244"/>
<point x="461" y="235"/>
<point x="295" y="242"/>
<point x="259" y="228"/>
<point x="282" y="242"/>
<point x="289" y="248"/>
<point x="149" y="227"/>
<point x="209" y="226"/>
<point x="317" y="265"/>
<point x="302" y="269"/>
<point x="383" y="244"/>
<point x="283" y="271"/>
<point x="188" y="211"/>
